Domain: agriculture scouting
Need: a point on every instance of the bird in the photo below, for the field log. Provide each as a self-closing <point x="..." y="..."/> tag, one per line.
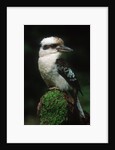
<point x="55" y="70"/>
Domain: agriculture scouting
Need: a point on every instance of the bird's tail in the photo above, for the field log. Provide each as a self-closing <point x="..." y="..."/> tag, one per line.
<point x="80" y="108"/>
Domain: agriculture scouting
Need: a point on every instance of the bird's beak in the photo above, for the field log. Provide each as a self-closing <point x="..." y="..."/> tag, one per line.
<point x="64" y="49"/>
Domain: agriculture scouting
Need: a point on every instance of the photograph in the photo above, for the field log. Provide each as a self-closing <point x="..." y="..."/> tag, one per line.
<point x="56" y="74"/>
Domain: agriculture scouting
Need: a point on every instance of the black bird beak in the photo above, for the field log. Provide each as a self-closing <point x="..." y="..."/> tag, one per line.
<point x="64" y="49"/>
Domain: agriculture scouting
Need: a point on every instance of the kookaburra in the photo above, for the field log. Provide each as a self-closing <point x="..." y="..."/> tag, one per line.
<point x="55" y="71"/>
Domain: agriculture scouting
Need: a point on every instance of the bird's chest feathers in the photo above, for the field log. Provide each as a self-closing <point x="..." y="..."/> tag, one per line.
<point x="47" y="65"/>
<point x="49" y="73"/>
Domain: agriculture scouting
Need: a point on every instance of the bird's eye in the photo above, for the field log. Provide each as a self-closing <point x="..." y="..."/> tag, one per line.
<point x="53" y="45"/>
<point x="45" y="47"/>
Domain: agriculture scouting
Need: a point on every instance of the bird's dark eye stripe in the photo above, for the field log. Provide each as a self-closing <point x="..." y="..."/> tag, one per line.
<point x="45" y="47"/>
<point x="53" y="45"/>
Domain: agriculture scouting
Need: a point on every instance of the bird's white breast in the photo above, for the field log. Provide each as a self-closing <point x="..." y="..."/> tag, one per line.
<point x="49" y="72"/>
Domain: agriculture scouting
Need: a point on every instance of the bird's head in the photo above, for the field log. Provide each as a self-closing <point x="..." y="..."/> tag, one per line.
<point x="53" y="45"/>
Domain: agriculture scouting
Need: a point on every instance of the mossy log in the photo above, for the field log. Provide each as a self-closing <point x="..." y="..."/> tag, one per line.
<point x="57" y="108"/>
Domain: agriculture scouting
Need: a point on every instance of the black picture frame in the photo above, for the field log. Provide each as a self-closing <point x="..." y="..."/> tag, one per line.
<point x="3" y="54"/>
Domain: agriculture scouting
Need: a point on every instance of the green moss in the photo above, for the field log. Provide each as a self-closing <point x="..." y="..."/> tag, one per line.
<point x="54" y="108"/>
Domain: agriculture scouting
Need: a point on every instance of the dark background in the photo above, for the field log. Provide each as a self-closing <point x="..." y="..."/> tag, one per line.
<point x="76" y="37"/>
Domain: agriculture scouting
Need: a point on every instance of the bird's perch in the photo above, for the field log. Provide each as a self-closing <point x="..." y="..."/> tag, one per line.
<point x="58" y="108"/>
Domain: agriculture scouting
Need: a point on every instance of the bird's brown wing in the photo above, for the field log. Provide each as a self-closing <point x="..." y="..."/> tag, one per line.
<point x="65" y="71"/>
